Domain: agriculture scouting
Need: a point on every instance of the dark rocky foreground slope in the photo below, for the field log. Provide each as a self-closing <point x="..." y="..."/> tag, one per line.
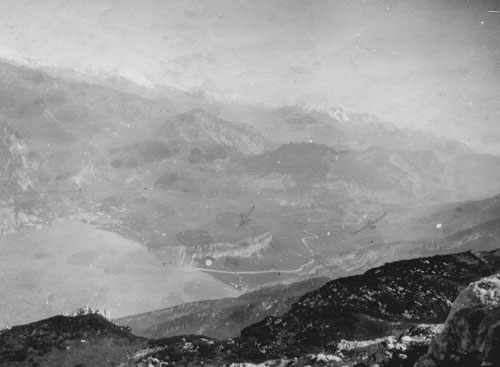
<point x="331" y="325"/>
<point x="371" y="305"/>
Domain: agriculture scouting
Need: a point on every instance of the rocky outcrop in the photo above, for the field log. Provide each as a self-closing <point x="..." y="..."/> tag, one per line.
<point x="86" y="310"/>
<point x="243" y="248"/>
<point x="20" y="172"/>
<point x="471" y="336"/>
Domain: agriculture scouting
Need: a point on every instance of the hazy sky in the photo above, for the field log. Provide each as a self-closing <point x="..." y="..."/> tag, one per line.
<point x="420" y="63"/>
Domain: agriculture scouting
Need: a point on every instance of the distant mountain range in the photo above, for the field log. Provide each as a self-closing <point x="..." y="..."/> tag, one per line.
<point x="336" y="127"/>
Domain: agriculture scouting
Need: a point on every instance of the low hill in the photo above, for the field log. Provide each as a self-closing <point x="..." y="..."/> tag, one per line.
<point x="83" y="340"/>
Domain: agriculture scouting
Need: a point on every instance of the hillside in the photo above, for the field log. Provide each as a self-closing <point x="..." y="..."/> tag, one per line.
<point x="222" y="318"/>
<point x="371" y="305"/>
<point x="82" y="340"/>
<point x="379" y="173"/>
<point x="346" y="321"/>
<point x="456" y="216"/>
<point x="71" y="111"/>
<point x="199" y="127"/>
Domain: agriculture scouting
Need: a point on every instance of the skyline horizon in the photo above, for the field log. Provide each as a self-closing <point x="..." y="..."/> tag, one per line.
<point x="426" y="65"/>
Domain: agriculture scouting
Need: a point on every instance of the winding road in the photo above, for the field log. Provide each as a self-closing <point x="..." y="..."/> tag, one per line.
<point x="312" y="236"/>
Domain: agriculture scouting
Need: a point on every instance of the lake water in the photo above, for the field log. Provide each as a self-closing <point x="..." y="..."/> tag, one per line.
<point x="54" y="270"/>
